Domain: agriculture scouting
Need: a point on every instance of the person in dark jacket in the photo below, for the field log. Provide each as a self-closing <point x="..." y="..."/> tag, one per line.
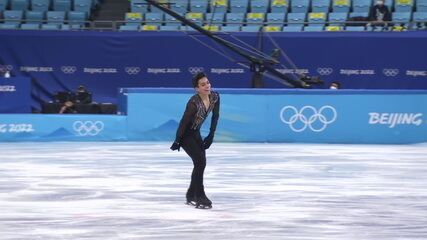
<point x="379" y="14"/>
<point x="189" y="138"/>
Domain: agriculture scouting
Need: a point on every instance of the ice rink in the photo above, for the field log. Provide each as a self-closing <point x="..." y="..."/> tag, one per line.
<point x="133" y="190"/>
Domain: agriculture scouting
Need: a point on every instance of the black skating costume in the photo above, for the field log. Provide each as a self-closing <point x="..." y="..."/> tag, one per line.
<point x="188" y="136"/>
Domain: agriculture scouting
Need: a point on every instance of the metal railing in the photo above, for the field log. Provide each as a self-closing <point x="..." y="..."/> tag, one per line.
<point x="115" y="25"/>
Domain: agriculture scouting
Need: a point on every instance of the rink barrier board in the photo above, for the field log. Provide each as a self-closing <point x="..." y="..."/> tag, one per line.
<point x="62" y="127"/>
<point x="280" y="115"/>
<point x="247" y="115"/>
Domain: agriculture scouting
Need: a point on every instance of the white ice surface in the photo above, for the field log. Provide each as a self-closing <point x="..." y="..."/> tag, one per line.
<point x="259" y="191"/>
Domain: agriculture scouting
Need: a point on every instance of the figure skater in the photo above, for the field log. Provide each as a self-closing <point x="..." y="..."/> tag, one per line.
<point x="188" y="136"/>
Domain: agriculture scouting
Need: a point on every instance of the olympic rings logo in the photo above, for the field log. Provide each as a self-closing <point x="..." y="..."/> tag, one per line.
<point x="68" y="69"/>
<point x="325" y="71"/>
<point x="132" y="70"/>
<point x="308" y="116"/>
<point x="5" y="68"/>
<point x="194" y="70"/>
<point x="88" y="128"/>
<point x="390" y="72"/>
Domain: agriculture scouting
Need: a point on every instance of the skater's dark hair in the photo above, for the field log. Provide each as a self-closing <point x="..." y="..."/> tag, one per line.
<point x="197" y="77"/>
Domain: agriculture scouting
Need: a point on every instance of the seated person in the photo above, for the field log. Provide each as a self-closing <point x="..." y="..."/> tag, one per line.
<point x="83" y="96"/>
<point x="68" y="107"/>
<point x="379" y="14"/>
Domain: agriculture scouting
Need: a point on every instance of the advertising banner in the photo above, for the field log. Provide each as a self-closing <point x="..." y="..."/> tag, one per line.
<point x="61" y="127"/>
<point x="312" y="116"/>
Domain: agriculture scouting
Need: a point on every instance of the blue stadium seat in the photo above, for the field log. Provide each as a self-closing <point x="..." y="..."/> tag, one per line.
<point x="276" y="19"/>
<point x="239" y="6"/>
<point x="140" y="6"/>
<point x="359" y="14"/>
<point x="341" y="6"/>
<point x="198" y="6"/>
<point x="154" y="18"/>
<point x="320" y="5"/>
<point x="275" y="28"/>
<point x="313" y="28"/>
<point x="40" y="5"/>
<point x="13" y="16"/>
<point x="215" y="18"/>
<point x="219" y="6"/>
<point x="55" y="18"/>
<point x="212" y="28"/>
<point x="337" y="18"/>
<point x="153" y="8"/>
<point x="19" y="4"/>
<point x="66" y="27"/>
<point x="361" y="5"/>
<point x="235" y="19"/>
<point x="250" y="28"/>
<point x="149" y="28"/>
<point x="296" y="19"/>
<point x="72" y="26"/>
<point x="334" y="28"/>
<point x="83" y="6"/>
<point x="30" y="26"/>
<point x="401" y="18"/>
<point x="292" y="29"/>
<point x="51" y="26"/>
<point x="233" y="28"/>
<point x="61" y="5"/>
<point x="403" y="5"/>
<point x="279" y="6"/>
<point x="421" y="5"/>
<point x="34" y="16"/>
<point x="355" y="28"/>
<point x="196" y="17"/>
<point x="259" y="6"/>
<point x="9" y="26"/>
<point x="300" y="6"/>
<point x="169" y="28"/>
<point x="255" y="19"/>
<point x="317" y="18"/>
<point x="4" y="4"/>
<point x="186" y="28"/>
<point x="134" y="18"/>
<point x="420" y="19"/>
<point x="171" y="21"/>
<point x="129" y="28"/>
<point x="77" y="19"/>
<point x="179" y="6"/>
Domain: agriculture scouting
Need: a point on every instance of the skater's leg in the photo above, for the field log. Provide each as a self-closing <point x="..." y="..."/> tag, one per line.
<point x="193" y="146"/>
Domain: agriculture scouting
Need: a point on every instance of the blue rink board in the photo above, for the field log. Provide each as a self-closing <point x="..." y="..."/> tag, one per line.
<point x="315" y="116"/>
<point x="247" y="115"/>
<point x="56" y="127"/>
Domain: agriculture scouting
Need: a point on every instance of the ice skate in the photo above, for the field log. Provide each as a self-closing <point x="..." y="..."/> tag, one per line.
<point x="203" y="202"/>
<point x="191" y="200"/>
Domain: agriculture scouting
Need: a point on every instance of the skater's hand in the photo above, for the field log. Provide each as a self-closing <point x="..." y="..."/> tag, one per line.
<point x="207" y="142"/>
<point x="175" y="146"/>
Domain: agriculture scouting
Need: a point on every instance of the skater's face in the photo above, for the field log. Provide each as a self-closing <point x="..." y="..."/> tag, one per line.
<point x="203" y="86"/>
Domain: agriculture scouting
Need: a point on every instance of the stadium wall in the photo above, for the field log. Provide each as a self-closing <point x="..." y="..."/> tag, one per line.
<point x="105" y="61"/>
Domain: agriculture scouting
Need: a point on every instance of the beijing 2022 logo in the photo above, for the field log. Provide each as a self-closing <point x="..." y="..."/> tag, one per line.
<point x="88" y="128"/>
<point x="308" y="117"/>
